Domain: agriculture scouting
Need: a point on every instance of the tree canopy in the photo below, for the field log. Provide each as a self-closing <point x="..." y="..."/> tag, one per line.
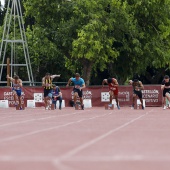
<point x="99" y="39"/>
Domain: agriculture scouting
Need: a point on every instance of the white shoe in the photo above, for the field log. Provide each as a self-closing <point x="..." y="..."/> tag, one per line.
<point x="164" y="107"/>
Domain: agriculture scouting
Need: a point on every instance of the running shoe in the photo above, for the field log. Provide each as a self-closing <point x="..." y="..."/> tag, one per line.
<point x="164" y="108"/>
<point x="143" y="107"/>
<point x="118" y="107"/>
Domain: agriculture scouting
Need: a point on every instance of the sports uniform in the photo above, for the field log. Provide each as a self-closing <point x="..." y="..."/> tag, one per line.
<point x="17" y="89"/>
<point x="113" y="87"/>
<point x="48" y="87"/>
<point x="113" y="90"/>
<point x="137" y="90"/>
<point x="166" y="88"/>
<point x="77" y="85"/>
<point x="55" y="93"/>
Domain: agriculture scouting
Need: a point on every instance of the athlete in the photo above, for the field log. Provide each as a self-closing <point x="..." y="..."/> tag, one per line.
<point x="16" y="89"/>
<point x="56" y="95"/>
<point x="47" y="84"/>
<point x="113" y="90"/>
<point x="79" y="84"/>
<point x="166" y="90"/>
<point x="137" y="91"/>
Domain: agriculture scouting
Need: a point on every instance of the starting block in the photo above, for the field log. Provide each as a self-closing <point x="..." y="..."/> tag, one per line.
<point x="138" y="104"/>
<point x="31" y="103"/>
<point x="22" y="105"/>
<point x="78" y="106"/>
<point x="4" y="103"/>
<point x="107" y="107"/>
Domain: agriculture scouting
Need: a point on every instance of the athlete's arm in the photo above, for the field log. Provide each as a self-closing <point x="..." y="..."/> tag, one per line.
<point x="116" y="83"/>
<point x="141" y="86"/>
<point x="130" y="82"/>
<point x="10" y="78"/>
<point x="60" y="94"/>
<point x="69" y="81"/>
<point x="54" y="76"/>
<point x="20" y="83"/>
<point x="104" y="81"/>
<point x="83" y="86"/>
<point x="43" y="82"/>
<point x="162" y="87"/>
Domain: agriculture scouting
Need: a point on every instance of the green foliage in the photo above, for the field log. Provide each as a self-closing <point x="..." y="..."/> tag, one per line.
<point x="119" y="37"/>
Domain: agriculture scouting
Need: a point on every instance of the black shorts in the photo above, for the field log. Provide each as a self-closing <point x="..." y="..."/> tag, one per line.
<point x="80" y="92"/>
<point x="166" y="91"/>
<point x="138" y="93"/>
<point x="47" y="91"/>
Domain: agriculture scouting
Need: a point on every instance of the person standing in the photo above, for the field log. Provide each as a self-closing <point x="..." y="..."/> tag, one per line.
<point x="56" y="95"/>
<point x="79" y="84"/>
<point x="137" y="91"/>
<point x="16" y="89"/>
<point x="113" y="90"/>
<point x="165" y="87"/>
<point x="47" y="84"/>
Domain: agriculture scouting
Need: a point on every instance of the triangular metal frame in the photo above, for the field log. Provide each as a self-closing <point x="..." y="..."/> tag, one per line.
<point x="14" y="13"/>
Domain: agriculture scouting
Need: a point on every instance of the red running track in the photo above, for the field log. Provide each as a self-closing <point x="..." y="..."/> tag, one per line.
<point x="90" y="139"/>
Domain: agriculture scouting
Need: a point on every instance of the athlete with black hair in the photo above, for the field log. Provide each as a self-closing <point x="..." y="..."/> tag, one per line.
<point x="137" y="91"/>
<point x="113" y="90"/>
<point x="166" y="90"/>
<point x="16" y="89"/>
<point x="47" y="84"/>
<point x="79" y="84"/>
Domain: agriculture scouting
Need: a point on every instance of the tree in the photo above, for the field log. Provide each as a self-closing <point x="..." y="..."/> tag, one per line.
<point x="123" y="37"/>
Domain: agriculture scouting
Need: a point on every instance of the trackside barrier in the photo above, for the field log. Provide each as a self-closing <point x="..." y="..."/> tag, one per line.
<point x="96" y="95"/>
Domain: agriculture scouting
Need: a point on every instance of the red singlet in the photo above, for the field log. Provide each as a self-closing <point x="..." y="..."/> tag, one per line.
<point x="113" y="88"/>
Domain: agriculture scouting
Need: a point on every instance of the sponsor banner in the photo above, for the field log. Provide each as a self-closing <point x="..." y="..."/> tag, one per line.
<point x="99" y="96"/>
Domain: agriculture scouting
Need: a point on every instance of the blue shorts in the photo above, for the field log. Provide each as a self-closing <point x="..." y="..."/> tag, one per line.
<point x="80" y="92"/>
<point x="50" y="95"/>
<point x="18" y="92"/>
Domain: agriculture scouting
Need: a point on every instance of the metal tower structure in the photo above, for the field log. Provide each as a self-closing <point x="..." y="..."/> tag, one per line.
<point x="14" y="40"/>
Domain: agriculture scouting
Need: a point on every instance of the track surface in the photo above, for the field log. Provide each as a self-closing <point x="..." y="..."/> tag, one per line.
<point x="90" y="139"/>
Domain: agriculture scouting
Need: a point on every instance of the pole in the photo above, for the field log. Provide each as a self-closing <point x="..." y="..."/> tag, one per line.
<point x="8" y="71"/>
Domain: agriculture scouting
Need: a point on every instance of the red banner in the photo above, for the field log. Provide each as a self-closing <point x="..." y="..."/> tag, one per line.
<point x="98" y="95"/>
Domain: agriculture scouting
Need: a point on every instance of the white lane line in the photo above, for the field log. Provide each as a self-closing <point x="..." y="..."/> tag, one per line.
<point x="51" y="128"/>
<point x="43" y="118"/>
<point x="94" y="141"/>
<point x="130" y="157"/>
<point x="115" y="158"/>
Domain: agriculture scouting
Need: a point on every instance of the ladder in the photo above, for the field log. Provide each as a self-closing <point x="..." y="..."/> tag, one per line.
<point x="15" y="42"/>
